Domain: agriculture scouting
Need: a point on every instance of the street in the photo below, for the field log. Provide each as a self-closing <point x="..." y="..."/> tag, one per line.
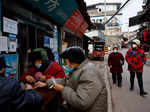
<point x="126" y="101"/>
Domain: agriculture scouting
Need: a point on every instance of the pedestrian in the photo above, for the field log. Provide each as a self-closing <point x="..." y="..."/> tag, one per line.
<point x="84" y="90"/>
<point x="136" y="59"/>
<point x="43" y="67"/>
<point x="13" y="98"/>
<point x="115" y="62"/>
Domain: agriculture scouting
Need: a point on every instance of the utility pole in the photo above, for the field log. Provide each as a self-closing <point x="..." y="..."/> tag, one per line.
<point x="105" y="10"/>
<point x="105" y="17"/>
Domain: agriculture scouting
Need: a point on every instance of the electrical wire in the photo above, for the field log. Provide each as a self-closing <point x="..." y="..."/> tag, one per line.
<point x="117" y="12"/>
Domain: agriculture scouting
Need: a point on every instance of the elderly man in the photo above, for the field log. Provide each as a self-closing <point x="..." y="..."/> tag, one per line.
<point x="136" y="59"/>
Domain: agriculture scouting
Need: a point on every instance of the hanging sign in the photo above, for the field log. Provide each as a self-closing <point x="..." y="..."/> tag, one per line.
<point x="76" y="23"/>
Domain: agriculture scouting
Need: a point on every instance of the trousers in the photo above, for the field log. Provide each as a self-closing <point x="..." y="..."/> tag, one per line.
<point x="139" y="76"/>
<point x="117" y="78"/>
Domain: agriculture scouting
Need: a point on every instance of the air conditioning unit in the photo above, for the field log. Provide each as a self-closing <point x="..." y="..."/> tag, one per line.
<point x="99" y="10"/>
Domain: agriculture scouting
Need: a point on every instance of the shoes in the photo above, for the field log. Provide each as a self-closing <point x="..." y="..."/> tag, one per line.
<point x="143" y="93"/>
<point x="131" y="88"/>
<point x="119" y="85"/>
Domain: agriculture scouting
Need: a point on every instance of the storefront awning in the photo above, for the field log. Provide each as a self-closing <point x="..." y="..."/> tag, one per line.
<point x="64" y="12"/>
<point x="58" y="10"/>
<point x="137" y="20"/>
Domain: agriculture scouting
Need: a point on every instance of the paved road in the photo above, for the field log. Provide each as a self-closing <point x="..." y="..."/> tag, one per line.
<point x="127" y="101"/>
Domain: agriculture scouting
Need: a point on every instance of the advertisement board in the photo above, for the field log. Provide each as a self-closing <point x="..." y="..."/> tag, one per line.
<point x="11" y="61"/>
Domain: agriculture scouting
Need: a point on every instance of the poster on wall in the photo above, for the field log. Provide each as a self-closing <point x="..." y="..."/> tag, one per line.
<point x="3" y="44"/>
<point x="11" y="62"/>
<point x="12" y="43"/>
<point x="10" y="26"/>
<point x="46" y="41"/>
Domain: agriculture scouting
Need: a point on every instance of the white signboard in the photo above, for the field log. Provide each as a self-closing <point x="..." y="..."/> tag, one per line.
<point x="3" y="44"/>
<point x="10" y="26"/>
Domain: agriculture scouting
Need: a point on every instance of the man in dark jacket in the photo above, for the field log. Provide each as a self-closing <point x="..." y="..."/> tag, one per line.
<point x="13" y="98"/>
<point x="115" y="62"/>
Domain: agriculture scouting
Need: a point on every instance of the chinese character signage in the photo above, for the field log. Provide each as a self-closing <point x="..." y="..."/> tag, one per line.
<point x="76" y="23"/>
<point x="58" y="10"/>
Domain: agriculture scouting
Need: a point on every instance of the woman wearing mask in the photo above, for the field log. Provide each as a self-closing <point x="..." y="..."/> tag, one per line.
<point x="43" y="67"/>
<point x="115" y="62"/>
<point x="136" y="59"/>
<point x="84" y="90"/>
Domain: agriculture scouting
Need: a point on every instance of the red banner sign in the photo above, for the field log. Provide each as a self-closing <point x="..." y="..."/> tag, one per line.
<point x="76" y="23"/>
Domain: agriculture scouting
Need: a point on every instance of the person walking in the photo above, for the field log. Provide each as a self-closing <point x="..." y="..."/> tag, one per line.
<point x="115" y="62"/>
<point x="136" y="59"/>
<point x="15" y="98"/>
<point x="84" y="90"/>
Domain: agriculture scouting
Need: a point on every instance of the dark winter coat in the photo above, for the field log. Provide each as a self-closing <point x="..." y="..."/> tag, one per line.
<point x="115" y="62"/>
<point x="14" y="99"/>
<point x="135" y="59"/>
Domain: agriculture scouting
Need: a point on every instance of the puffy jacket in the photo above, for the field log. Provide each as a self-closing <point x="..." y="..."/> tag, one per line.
<point x="14" y="99"/>
<point x="135" y="59"/>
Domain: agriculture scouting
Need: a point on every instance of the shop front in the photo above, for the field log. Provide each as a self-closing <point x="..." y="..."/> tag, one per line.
<point x="24" y="31"/>
<point x="30" y="24"/>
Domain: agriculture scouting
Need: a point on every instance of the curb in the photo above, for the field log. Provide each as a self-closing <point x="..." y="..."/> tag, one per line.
<point x="108" y="86"/>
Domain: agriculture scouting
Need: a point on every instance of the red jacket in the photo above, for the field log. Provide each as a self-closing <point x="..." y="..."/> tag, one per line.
<point x="135" y="59"/>
<point x="54" y="70"/>
<point x="116" y="60"/>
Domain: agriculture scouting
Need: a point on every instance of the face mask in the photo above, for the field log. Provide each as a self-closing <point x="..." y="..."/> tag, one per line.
<point x="115" y="51"/>
<point x="134" y="46"/>
<point x="68" y="69"/>
<point x="38" y="66"/>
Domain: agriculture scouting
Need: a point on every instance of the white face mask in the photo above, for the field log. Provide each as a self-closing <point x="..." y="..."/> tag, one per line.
<point x="134" y="46"/>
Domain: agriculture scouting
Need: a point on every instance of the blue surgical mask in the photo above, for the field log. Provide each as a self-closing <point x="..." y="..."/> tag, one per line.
<point x="115" y="51"/>
<point x="38" y="66"/>
<point x="68" y="69"/>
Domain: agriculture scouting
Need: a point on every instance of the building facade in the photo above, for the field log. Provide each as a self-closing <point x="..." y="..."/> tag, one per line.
<point x="102" y="12"/>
